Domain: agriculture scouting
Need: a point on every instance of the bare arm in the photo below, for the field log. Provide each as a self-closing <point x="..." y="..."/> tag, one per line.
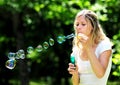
<point x="100" y="64"/>
<point x="74" y="71"/>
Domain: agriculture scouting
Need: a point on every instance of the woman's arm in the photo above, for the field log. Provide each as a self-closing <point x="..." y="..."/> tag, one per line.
<point x="75" y="79"/>
<point x="75" y="75"/>
<point x="99" y="65"/>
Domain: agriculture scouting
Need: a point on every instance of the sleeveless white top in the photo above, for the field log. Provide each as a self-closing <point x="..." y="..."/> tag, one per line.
<point x="87" y="76"/>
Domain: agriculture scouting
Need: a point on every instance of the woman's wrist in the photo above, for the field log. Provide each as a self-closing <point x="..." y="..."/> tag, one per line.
<point x="75" y="78"/>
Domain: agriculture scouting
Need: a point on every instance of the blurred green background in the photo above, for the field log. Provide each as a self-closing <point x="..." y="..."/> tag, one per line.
<point x="26" y="23"/>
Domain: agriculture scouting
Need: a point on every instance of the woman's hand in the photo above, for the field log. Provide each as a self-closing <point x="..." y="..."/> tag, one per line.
<point x="73" y="69"/>
<point x="82" y="37"/>
<point x="85" y="40"/>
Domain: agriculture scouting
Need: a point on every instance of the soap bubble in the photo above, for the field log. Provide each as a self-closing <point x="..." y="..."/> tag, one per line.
<point x="10" y="64"/>
<point x="11" y="55"/>
<point x="30" y="49"/>
<point x="39" y="48"/>
<point x="20" y="54"/>
<point x="45" y="45"/>
<point x="51" y="42"/>
<point x="61" y="39"/>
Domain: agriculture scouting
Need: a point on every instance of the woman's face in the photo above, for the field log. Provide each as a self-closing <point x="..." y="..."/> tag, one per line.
<point x="83" y="26"/>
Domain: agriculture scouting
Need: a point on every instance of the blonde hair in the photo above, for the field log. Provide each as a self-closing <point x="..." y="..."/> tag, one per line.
<point x="97" y="33"/>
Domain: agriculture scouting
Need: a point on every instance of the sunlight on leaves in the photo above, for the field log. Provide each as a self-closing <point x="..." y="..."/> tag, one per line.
<point x="38" y="7"/>
<point x="1" y="2"/>
<point x="116" y="73"/>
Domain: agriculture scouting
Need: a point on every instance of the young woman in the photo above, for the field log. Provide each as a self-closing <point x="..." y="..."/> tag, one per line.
<point x="92" y="50"/>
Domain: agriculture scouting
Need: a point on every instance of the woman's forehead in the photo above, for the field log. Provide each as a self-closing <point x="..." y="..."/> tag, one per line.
<point x="81" y="18"/>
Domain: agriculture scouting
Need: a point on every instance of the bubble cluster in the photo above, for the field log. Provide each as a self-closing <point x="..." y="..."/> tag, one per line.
<point x="41" y="47"/>
<point x="20" y="54"/>
<point x="11" y="62"/>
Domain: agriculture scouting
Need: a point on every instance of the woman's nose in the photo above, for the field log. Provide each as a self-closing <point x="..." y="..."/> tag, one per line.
<point x="79" y="27"/>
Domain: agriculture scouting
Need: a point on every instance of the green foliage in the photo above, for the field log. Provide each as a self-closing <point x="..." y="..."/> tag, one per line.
<point x="116" y="55"/>
<point x="1" y="2"/>
<point x="43" y="19"/>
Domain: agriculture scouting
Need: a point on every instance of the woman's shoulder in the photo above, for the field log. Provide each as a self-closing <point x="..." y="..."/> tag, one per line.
<point x="105" y="42"/>
<point x="104" y="45"/>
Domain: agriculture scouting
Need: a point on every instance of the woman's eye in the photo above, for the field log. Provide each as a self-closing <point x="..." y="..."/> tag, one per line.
<point x="83" y="24"/>
<point x="77" y="24"/>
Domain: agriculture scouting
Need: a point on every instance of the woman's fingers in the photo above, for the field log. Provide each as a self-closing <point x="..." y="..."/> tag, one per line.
<point x="82" y="37"/>
<point x="72" y="68"/>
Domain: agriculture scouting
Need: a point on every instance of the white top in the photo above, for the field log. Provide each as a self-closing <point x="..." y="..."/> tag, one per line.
<point x="87" y="76"/>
